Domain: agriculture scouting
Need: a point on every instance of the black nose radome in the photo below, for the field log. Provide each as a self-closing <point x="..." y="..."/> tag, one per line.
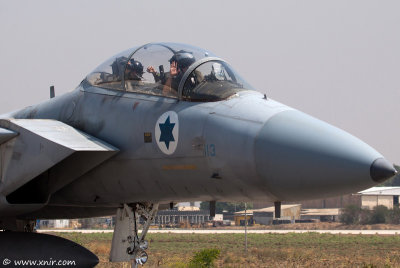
<point x="382" y="170"/>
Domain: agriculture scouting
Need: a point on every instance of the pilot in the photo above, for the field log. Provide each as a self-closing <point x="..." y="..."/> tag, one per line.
<point x="179" y="63"/>
<point x="133" y="75"/>
<point x="134" y="70"/>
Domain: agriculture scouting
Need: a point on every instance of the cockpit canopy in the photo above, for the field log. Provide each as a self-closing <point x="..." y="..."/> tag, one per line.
<point x="170" y="70"/>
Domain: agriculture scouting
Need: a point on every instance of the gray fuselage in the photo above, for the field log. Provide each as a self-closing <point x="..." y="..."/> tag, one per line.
<point x="244" y="148"/>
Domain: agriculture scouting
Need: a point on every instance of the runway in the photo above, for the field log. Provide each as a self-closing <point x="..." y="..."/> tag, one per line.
<point x="228" y="231"/>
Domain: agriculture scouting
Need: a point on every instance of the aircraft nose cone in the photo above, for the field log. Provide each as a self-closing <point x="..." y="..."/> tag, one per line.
<point x="382" y="170"/>
<point x="299" y="157"/>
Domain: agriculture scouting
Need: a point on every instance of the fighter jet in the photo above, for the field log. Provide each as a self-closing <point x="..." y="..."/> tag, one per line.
<point x="164" y="123"/>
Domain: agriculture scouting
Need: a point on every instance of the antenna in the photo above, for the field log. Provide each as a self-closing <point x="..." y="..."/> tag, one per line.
<point x="52" y="92"/>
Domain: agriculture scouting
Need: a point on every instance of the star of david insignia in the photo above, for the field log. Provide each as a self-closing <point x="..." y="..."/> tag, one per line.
<point x="166" y="132"/>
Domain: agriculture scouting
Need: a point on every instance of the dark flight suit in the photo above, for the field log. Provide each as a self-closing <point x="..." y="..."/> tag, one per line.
<point x="197" y="77"/>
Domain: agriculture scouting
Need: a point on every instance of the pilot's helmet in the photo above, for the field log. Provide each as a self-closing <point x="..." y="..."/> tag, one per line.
<point x="183" y="58"/>
<point x="136" y="66"/>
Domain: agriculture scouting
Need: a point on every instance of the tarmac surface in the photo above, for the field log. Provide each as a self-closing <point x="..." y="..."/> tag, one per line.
<point x="222" y="231"/>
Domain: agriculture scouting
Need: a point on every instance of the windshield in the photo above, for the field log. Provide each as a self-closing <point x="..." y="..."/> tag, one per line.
<point x="110" y="73"/>
<point x="213" y="81"/>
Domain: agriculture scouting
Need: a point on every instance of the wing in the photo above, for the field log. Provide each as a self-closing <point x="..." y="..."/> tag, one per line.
<point x="39" y="157"/>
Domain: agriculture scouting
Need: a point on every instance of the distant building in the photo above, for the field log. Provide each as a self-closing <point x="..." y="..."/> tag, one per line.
<point x="189" y="204"/>
<point x="265" y="216"/>
<point x="241" y="217"/>
<point x="174" y="217"/>
<point x="332" y="202"/>
<point x="58" y="224"/>
<point x="189" y="208"/>
<point x="320" y="214"/>
<point x="376" y="196"/>
<point x="218" y="217"/>
<point x="61" y="224"/>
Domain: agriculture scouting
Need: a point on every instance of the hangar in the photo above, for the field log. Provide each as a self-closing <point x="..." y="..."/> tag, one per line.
<point x="267" y="215"/>
<point x="376" y="196"/>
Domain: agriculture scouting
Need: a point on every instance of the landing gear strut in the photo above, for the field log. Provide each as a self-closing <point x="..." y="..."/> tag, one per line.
<point x="127" y="244"/>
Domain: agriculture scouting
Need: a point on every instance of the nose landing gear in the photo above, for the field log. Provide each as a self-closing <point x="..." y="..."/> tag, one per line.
<point x="127" y="244"/>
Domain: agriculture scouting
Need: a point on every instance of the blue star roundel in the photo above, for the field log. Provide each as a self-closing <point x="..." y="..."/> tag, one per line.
<point x="167" y="132"/>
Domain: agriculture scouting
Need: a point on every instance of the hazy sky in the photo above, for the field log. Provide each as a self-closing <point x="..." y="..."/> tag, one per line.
<point x="338" y="61"/>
